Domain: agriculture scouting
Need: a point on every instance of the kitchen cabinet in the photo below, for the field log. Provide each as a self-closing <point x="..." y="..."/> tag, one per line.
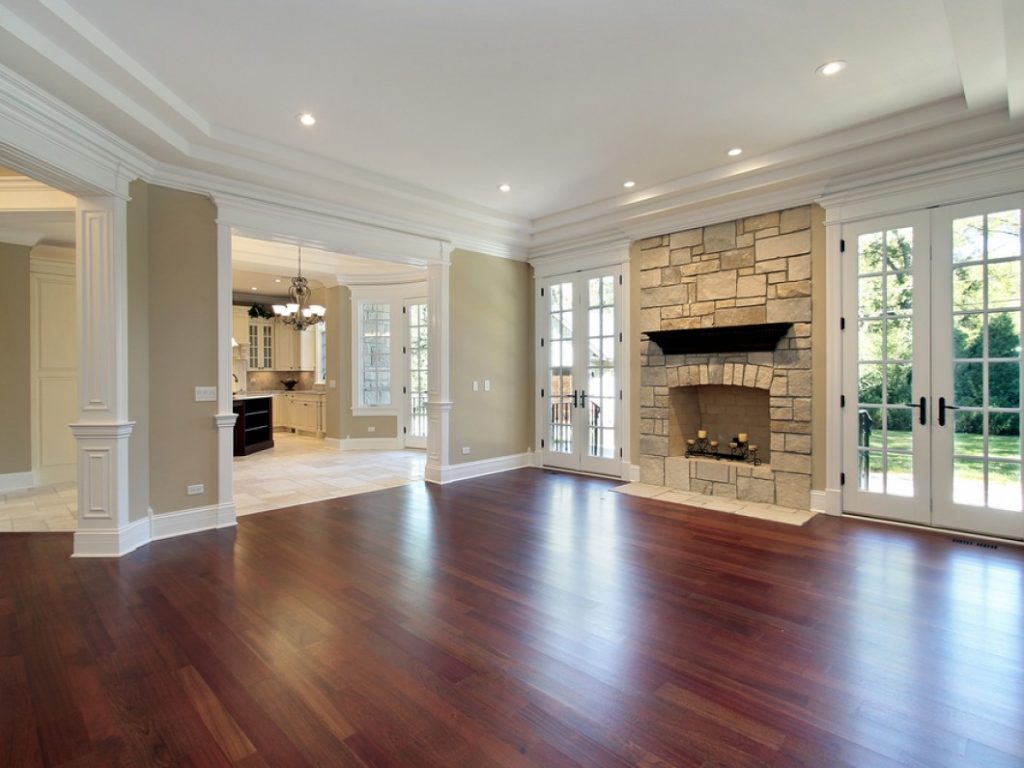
<point x="301" y="412"/>
<point x="261" y="344"/>
<point x="293" y="350"/>
<point x="240" y="325"/>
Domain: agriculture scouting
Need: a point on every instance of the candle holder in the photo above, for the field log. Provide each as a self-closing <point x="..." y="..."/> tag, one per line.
<point x="739" y="450"/>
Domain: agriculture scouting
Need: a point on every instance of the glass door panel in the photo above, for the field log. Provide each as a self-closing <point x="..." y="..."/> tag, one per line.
<point x="977" y="459"/>
<point x="886" y="373"/>
<point x="581" y="372"/>
<point x="416" y="386"/>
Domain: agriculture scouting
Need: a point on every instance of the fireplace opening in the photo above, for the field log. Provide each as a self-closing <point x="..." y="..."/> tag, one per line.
<point x="723" y="411"/>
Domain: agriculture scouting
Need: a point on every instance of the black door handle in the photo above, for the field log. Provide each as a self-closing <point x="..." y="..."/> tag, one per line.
<point x="583" y="398"/>
<point x="575" y="399"/>
<point x="923" y="405"/>
<point x="942" y="410"/>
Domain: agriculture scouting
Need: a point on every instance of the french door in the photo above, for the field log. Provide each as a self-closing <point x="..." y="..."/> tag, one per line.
<point x="580" y="384"/>
<point x="932" y="367"/>
<point x="415" y="388"/>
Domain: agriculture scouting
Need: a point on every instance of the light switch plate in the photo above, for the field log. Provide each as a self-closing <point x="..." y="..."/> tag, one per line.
<point x="195" y="490"/>
<point x="206" y="394"/>
<point x="487" y="385"/>
<point x="476" y="385"/>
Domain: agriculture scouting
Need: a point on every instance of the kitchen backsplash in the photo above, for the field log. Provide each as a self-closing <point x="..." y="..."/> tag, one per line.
<point x="271" y="380"/>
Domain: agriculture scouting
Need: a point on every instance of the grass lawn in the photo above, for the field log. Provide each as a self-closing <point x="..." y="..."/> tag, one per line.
<point x="1000" y="446"/>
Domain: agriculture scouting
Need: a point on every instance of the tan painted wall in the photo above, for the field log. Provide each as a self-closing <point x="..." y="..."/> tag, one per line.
<point x="182" y="246"/>
<point x="349" y="426"/>
<point x="332" y="396"/>
<point x="138" y="349"/>
<point x="491" y="332"/>
<point x="15" y="387"/>
<point x="818" y="344"/>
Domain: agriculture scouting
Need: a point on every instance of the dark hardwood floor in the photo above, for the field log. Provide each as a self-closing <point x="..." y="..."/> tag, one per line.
<point x="525" y="619"/>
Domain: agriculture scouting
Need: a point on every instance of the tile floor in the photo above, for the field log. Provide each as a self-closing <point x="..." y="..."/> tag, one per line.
<point x="300" y="469"/>
<point x="732" y="506"/>
<point x="296" y="470"/>
<point x="46" y="508"/>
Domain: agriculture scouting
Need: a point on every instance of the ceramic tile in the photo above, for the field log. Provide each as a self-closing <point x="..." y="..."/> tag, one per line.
<point x="730" y="506"/>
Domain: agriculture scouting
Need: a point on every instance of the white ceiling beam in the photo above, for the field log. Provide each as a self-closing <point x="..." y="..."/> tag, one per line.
<point x="980" y="49"/>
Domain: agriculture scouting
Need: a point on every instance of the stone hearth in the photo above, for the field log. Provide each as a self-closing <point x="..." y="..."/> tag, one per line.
<point x="754" y="270"/>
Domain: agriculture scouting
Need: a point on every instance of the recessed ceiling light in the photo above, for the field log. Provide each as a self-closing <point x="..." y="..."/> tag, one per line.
<point x="277" y="279"/>
<point x="255" y="288"/>
<point x="830" y="68"/>
<point x="504" y="187"/>
<point x="629" y="184"/>
<point x="307" y="119"/>
<point x="734" y="152"/>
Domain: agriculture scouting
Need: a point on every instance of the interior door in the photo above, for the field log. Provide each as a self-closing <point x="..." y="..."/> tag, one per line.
<point x="580" y="386"/>
<point x="977" y="368"/>
<point x="886" y="368"/>
<point x="415" y="389"/>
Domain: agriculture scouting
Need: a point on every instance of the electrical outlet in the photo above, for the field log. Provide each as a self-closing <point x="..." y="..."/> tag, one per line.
<point x="465" y="450"/>
<point x="476" y="385"/>
<point x="371" y="429"/>
<point x="195" y="490"/>
<point x="487" y="385"/>
<point x="206" y="394"/>
<point x="334" y="384"/>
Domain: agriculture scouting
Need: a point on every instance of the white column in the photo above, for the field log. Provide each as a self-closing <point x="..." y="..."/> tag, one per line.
<point x="833" y="368"/>
<point x="103" y="428"/>
<point x="439" y="405"/>
<point x="225" y="418"/>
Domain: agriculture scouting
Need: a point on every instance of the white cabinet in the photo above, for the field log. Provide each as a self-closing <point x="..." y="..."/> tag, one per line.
<point x="300" y="411"/>
<point x="261" y="344"/>
<point x="294" y="350"/>
<point x="240" y="326"/>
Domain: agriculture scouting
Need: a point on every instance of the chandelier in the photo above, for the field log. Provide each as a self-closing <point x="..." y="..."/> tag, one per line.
<point x="299" y="312"/>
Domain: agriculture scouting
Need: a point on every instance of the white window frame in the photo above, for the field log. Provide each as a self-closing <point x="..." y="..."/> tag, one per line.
<point x="395" y="296"/>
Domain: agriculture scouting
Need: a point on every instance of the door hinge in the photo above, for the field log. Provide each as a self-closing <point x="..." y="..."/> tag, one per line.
<point x="842" y="478"/>
<point x="842" y="246"/>
<point x="403" y="310"/>
<point x="403" y="351"/>
<point x="405" y="431"/>
<point x="620" y="279"/>
<point x="541" y="291"/>
<point x="842" y="401"/>
<point x="620" y="394"/>
<point x="542" y="392"/>
<point x="404" y="391"/>
<point x="541" y="443"/>
<point x="620" y="337"/>
<point x="542" y="342"/>
<point x="842" y="323"/>
<point x="620" y="453"/>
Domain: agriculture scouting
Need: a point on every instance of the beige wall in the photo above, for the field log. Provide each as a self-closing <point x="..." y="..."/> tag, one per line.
<point x="332" y="396"/>
<point x="349" y="426"/>
<point x="182" y="245"/>
<point x="491" y="332"/>
<point x="138" y="349"/>
<point x="15" y="389"/>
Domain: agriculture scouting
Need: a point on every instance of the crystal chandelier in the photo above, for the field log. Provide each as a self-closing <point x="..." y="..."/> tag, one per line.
<point x="299" y="312"/>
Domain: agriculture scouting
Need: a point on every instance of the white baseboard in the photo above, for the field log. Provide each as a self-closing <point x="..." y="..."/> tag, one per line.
<point x="17" y="481"/>
<point x="116" y="543"/>
<point x="455" y="472"/>
<point x="827" y="502"/>
<point x="187" y="521"/>
<point x="365" y="443"/>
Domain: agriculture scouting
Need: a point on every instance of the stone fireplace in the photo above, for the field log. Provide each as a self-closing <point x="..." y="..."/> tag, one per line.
<point x="750" y="272"/>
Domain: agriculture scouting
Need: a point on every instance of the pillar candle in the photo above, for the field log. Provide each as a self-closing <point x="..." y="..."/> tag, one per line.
<point x="743" y="437"/>
<point x="702" y="433"/>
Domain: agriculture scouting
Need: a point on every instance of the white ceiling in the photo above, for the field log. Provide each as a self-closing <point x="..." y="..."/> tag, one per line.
<point x="564" y="101"/>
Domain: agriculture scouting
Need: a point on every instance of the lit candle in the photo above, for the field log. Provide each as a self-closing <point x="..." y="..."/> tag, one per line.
<point x="743" y="437"/>
<point x="752" y="448"/>
<point x="702" y="433"/>
<point x="690" y="441"/>
<point x="733" y="444"/>
<point x="714" y="443"/>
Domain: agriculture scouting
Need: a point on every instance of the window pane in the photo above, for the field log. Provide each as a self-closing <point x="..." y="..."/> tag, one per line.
<point x="968" y="238"/>
<point x="375" y="359"/>
<point x="1004" y="234"/>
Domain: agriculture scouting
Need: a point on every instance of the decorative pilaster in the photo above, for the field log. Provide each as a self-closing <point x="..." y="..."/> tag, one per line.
<point x="439" y="405"/>
<point x="225" y="418"/>
<point x="103" y="429"/>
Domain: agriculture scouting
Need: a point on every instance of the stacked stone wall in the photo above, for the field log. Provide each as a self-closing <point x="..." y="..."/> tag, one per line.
<point x="749" y="271"/>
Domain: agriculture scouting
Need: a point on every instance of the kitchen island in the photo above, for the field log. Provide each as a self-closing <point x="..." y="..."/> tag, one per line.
<point x="254" y="425"/>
